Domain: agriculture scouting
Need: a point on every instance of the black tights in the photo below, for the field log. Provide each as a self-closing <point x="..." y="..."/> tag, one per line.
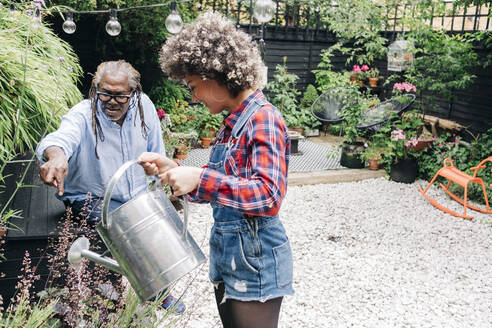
<point x="252" y="314"/>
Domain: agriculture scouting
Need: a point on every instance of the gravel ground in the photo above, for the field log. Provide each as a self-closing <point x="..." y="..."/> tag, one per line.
<point x="372" y="253"/>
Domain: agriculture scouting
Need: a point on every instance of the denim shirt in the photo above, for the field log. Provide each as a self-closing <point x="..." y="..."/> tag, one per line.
<point x="87" y="173"/>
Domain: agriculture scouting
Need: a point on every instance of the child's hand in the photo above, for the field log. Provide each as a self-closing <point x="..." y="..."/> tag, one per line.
<point x="182" y="179"/>
<point x="154" y="163"/>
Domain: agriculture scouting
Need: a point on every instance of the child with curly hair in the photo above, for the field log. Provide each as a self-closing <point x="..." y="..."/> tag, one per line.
<point x="245" y="179"/>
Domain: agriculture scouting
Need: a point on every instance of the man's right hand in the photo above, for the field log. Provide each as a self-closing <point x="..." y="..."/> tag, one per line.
<point x="55" y="170"/>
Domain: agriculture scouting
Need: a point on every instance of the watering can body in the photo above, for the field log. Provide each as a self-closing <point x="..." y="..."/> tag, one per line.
<point x="150" y="243"/>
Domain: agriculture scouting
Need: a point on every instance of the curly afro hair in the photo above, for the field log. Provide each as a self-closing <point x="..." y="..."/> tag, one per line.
<point x="214" y="49"/>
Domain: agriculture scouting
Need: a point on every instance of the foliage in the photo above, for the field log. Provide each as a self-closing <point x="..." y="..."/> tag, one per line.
<point x="358" y="25"/>
<point x="372" y="151"/>
<point x="399" y="138"/>
<point x="206" y="122"/>
<point x="352" y="113"/>
<point x="308" y="98"/>
<point x="373" y="72"/>
<point x="32" y="58"/>
<point x="77" y="295"/>
<point x="283" y="89"/>
<point x="464" y="156"/>
<point x="166" y="93"/>
<point x="284" y="94"/>
<point x="325" y="76"/>
<point x="442" y="63"/>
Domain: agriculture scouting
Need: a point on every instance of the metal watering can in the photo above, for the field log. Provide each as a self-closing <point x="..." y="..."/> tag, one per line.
<point x="148" y="240"/>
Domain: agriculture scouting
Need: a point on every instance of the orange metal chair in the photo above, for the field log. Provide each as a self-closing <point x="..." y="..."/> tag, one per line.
<point x="450" y="172"/>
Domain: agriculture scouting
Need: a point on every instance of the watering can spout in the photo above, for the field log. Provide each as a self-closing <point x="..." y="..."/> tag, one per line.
<point x="80" y="250"/>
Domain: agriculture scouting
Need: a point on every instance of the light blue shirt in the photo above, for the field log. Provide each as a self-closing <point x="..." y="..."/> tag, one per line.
<point x="87" y="173"/>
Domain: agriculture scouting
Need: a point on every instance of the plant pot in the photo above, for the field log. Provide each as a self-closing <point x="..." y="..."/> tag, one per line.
<point x="404" y="171"/>
<point x="350" y="156"/>
<point x="181" y="152"/>
<point x="206" y="141"/>
<point x="373" y="81"/>
<point x="422" y="144"/>
<point x="373" y="164"/>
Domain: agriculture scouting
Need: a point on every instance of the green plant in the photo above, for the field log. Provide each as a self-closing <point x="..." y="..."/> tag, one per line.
<point x="32" y="58"/>
<point x="166" y="93"/>
<point x="443" y="64"/>
<point x="207" y="124"/>
<point x="284" y="93"/>
<point x="352" y="113"/>
<point x="358" y="25"/>
<point x="325" y="76"/>
<point x="372" y="151"/>
<point x="464" y="156"/>
<point x="373" y="72"/>
<point x="400" y="138"/>
<point x="308" y="98"/>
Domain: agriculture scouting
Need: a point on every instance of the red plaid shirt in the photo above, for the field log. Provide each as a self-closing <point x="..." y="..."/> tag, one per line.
<point x="256" y="166"/>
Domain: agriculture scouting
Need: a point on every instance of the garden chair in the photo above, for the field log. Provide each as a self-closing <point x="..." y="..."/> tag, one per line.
<point x="450" y="172"/>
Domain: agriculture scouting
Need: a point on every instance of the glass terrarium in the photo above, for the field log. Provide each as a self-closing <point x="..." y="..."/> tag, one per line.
<point x="400" y="56"/>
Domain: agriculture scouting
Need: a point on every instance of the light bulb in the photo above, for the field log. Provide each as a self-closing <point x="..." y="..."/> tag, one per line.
<point x="113" y="27"/>
<point x="264" y="10"/>
<point x="69" y="26"/>
<point x="36" y="18"/>
<point x="174" y="23"/>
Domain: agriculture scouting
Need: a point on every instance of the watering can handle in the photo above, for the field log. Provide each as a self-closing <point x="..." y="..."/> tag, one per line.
<point x="106" y="222"/>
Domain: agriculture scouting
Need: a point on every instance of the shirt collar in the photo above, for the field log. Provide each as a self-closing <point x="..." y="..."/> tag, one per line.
<point x="231" y="120"/>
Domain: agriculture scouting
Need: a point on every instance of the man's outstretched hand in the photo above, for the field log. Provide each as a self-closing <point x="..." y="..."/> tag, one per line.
<point x="55" y="170"/>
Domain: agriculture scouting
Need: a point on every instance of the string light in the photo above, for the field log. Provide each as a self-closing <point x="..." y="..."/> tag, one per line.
<point x="69" y="26"/>
<point x="174" y="23"/>
<point x="113" y="27"/>
<point x="264" y="10"/>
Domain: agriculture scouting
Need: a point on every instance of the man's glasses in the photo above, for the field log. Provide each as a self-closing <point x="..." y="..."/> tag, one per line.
<point x="106" y="97"/>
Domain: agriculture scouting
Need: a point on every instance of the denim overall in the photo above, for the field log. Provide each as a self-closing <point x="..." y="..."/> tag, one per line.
<point x="250" y="255"/>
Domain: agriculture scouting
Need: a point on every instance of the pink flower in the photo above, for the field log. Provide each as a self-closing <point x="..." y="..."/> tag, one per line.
<point x="456" y="140"/>
<point x="356" y="69"/>
<point x="435" y="138"/>
<point x="365" y="68"/>
<point x="161" y="113"/>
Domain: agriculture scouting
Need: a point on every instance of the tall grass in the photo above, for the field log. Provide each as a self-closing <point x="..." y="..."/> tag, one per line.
<point x="38" y="81"/>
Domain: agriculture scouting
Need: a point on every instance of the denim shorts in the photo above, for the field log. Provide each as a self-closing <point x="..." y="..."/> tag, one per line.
<point x="252" y="257"/>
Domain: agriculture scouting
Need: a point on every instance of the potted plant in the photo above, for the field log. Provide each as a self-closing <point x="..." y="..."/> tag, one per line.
<point x="401" y="156"/>
<point x="373" y="77"/>
<point x="207" y="124"/>
<point x="372" y="154"/>
<point x="352" y="147"/>
<point x="357" y="76"/>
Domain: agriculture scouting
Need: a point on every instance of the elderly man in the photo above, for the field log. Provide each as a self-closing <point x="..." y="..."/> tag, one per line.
<point x="98" y="135"/>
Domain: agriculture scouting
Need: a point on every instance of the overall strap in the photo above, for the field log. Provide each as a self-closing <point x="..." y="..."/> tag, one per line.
<point x="246" y="115"/>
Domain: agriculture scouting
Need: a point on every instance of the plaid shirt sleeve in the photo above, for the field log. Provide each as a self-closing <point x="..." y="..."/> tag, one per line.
<point x="256" y="179"/>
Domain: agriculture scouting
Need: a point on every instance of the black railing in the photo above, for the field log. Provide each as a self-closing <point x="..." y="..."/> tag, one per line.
<point x="303" y="17"/>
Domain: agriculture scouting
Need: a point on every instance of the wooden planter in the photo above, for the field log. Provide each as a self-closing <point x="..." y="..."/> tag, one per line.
<point x="41" y="212"/>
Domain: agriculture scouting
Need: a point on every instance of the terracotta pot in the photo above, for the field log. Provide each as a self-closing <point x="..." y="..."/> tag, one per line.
<point x="373" y="81"/>
<point x="206" y="142"/>
<point x="181" y="155"/>
<point x="373" y="164"/>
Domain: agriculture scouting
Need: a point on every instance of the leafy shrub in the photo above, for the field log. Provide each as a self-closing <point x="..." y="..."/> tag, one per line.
<point x="308" y="98"/>
<point x="38" y="78"/>
<point x="166" y="93"/>
<point x="464" y="156"/>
